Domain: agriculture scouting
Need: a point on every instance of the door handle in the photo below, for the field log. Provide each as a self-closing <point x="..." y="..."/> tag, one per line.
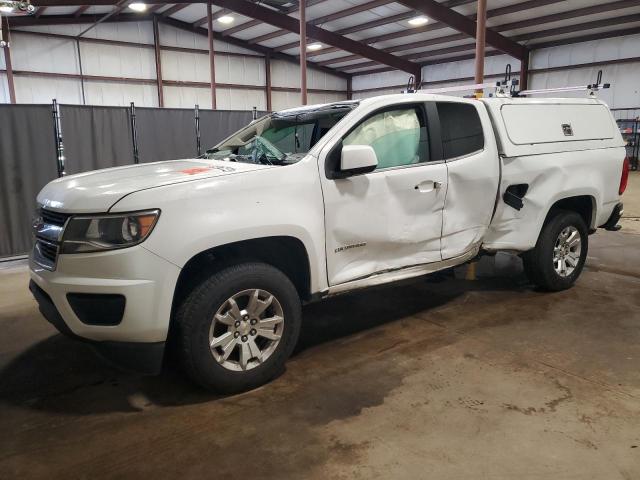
<point x="428" y="186"/>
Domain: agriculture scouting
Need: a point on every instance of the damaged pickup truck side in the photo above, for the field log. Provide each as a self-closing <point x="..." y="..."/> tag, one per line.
<point x="217" y="254"/>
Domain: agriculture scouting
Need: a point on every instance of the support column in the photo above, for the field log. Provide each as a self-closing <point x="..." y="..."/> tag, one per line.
<point x="418" y="78"/>
<point x="212" y="64"/>
<point x="481" y="29"/>
<point x="350" y="88"/>
<point x="79" y="51"/>
<point x="303" y="51"/>
<point x="524" y="71"/>
<point x="7" y="60"/>
<point x="156" y="46"/>
<point x="267" y="73"/>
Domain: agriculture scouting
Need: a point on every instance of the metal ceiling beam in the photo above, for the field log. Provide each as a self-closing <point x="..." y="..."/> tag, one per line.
<point x="346" y="31"/>
<point x="424" y="43"/>
<point x="488" y="53"/>
<point x="241" y="27"/>
<point x="176" y="8"/>
<point x="587" y="38"/>
<point x="155" y="7"/>
<point x="242" y="44"/>
<point x="216" y="15"/>
<point x="72" y="20"/>
<point x="289" y="23"/>
<point x="326" y="18"/>
<point x="253" y="23"/>
<point x="496" y="12"/>
<point x="384" y="21"/>
<point x="70" y="3"/>
<point x="524" y="37"/>
<point x="133" y="17"/>
<point x="81" y="10"/>
<point x="459" y="22"/>
<point x="556" y="31"/>
<point x="608" y="22"/>
<point x="537" y="46"/>
<point x="121" y="5"/>
<point x="579" y="12"/>
<point x="536" y="21"/>
<point x="40" y="11"/>
<point x="418" y="55"/>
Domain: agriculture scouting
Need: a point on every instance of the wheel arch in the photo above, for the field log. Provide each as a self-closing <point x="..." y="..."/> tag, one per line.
<point x="285" y="253"/>
<point x="583" y="205"/>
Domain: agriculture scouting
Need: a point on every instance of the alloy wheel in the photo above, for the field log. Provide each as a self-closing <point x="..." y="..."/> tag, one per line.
<point x="246" y="329"/>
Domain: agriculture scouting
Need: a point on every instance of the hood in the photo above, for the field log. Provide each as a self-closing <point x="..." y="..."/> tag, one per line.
<point x="97" y="191"/>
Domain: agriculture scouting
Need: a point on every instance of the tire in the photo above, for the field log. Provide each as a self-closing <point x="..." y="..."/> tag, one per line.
<point x="204" y="340"/>
<point x="539" y="264"/>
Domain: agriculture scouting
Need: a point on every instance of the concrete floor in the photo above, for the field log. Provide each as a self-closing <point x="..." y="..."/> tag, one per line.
<point x="457" y="379"/>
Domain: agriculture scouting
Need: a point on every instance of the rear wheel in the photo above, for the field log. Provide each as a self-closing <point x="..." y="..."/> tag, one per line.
<point x="560" y="253"/>
<point x="238" y="327"/>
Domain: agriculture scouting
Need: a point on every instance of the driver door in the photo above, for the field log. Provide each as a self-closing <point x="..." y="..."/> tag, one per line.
<point x="389" y="218"/>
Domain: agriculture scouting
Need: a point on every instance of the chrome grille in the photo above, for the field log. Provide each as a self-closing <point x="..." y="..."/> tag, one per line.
<point x="47" y="251"/>
<point x="53" y="218"/>
<point x="48" y="228"/>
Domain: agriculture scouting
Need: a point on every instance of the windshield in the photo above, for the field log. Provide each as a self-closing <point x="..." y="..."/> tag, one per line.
<point x="279" y="139"/>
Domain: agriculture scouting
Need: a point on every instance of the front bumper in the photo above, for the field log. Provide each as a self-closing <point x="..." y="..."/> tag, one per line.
<point x="139" y="357"/>
<point x="147" y="282"/>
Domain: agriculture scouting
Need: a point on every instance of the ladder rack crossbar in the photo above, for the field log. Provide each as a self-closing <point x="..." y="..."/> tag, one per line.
<point x="577" y="88"/>
<point x="459" y="88"/>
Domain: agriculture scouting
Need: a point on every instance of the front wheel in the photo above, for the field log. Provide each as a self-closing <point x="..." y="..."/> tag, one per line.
<point x="238" y="327"/>
<point x="560" y="253"/>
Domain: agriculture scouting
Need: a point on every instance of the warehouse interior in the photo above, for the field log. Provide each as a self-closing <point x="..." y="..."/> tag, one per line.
<point x="464" y="374"/>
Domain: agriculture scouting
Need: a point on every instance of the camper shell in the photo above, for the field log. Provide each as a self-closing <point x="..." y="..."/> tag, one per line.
<point x="534" y="126"/>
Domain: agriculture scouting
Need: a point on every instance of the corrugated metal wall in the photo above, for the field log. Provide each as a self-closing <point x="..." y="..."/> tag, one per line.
<point x="188" y="72"/>
<point x="624" y="77"/>
<point x="185" y="72"/>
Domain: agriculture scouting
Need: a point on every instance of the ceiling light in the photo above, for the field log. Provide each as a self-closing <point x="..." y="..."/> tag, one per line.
<point x="6" y="8"/>
<point x="138" y="7"/>
<point x="418" y="21"/>
<point x="226" y="19"/>
<point x="314" y="46"/>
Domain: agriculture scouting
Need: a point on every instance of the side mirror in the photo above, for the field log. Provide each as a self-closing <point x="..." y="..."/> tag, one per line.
<point x="356" y="160"/>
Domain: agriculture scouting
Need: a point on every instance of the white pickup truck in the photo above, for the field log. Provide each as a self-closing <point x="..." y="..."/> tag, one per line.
<point x="218" y="253"/>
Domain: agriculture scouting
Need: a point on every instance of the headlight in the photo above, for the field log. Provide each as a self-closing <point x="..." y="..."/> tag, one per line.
<point x="107" y="232"/>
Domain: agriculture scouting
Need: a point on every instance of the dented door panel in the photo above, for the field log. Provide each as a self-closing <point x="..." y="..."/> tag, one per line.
<point x="552" y="177"/>
<point x="471" y="196"/>
<point x="384" y="220"/>
<point x="471" y="193"/>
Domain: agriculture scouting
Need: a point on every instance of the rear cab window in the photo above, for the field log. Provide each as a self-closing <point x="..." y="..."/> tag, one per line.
<point x="460" y="129"/>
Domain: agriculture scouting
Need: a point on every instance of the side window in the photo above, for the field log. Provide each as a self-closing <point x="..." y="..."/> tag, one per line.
<point x="460" y="128"/>
<point x="399" y="137"/>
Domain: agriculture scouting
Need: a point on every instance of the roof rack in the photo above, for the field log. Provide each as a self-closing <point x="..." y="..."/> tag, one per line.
<point x="591" y="89"/>
<point x="507" y="87"/>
